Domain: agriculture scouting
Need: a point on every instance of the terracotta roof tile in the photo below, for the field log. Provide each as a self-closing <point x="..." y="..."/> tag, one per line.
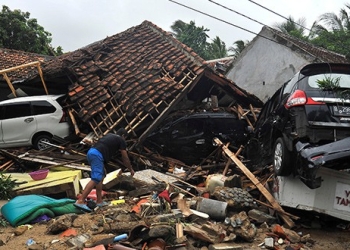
<point x="10" y="58"/>
<point x="139" y="67"/>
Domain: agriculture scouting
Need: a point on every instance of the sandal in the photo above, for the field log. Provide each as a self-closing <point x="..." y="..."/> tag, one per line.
<point x="83" y="207"/>
<point x="102" y="204"/>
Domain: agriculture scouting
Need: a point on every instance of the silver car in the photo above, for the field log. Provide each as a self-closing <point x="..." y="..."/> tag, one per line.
<point x="32" y="121"/>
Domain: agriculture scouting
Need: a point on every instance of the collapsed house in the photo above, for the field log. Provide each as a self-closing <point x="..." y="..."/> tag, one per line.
<point x="285" y="56"/>
<point x="133" y="79"/>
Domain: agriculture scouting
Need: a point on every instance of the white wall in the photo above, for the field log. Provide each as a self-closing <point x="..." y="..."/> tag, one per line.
<point x="265" y="61"/>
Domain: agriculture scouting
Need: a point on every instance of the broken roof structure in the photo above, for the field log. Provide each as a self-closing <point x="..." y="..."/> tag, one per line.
<point x="11" y="58"/>
<point x="15" y="67"/>
<point x="134" y="78"/>
<point x="275" y="58"/>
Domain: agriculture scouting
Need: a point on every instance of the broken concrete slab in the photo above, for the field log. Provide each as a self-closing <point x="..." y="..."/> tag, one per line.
<point x="147" y="174"/>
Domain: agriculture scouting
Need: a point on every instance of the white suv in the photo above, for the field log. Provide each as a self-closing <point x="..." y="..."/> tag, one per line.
<point x="32" y="121"/>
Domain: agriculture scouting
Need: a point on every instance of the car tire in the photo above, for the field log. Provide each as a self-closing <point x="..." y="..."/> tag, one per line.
<point x="39" y="142"/>
<point x="281" y="158"/>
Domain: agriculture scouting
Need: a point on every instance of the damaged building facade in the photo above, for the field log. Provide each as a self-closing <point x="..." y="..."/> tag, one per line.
<point x="133" y="79"/>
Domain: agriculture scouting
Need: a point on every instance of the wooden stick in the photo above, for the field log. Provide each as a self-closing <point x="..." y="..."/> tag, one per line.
<point x="64" y="163"/>
<point x="257" y="183"/>
<point x="252" y="110"/>
<point x="6" y="164"/>
<point x="174" y="186"/>
<point x="230" y="161"/>
<point x="65" y="149"/>
<point x="269" y="206"/>
<point x="179" y="230"/>
<point x="72" y="118"/>
<point x="10" y="165"/>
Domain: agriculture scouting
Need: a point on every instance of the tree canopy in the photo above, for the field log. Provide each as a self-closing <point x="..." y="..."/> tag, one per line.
<point x="293" y="28"/>
<point x="196" y="38"/>
<point x="20" y="32"/>
<point x="330" y="31"/>
<point x="333" y="32"/>
<point x="238" y="47"/>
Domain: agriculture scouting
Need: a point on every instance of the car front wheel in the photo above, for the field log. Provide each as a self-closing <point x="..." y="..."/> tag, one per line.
<point x="40" y="142"/>
<point x="281" y="158"/>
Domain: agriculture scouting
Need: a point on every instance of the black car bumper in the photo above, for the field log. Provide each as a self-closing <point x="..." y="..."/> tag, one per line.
<point x="335" y="155"/>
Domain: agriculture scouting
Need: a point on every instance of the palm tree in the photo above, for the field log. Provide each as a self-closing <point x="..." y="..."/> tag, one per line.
<point x="191" y="35"/>
<point x="216" y="49"/>
<point x="333" y="32"/>
<point x="238" y="47"/>
<point x="293" y="28"/>
<point x="337" y="23"/>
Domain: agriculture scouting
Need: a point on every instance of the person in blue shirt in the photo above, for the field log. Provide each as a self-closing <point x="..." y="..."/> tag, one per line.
<point x="97" y="156"/>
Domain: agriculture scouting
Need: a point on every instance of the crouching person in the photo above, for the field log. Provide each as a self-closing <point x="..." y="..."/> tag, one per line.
<point x="97" y="156"/>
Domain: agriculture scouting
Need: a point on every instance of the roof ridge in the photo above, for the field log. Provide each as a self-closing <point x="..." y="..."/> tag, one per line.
<point x="298" y="42"/>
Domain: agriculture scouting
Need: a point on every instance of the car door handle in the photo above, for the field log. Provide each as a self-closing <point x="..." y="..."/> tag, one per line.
<point x="28" y="120"/>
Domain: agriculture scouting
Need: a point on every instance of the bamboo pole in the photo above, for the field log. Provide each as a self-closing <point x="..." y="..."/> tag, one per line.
<point x="42" y="77"/>
<point x="10" y="84"/>
<point x="257" y="183"/>
<point x="230" y="161"/>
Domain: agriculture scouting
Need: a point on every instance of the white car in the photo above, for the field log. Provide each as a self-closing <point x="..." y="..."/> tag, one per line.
<point x="32" y="121"/>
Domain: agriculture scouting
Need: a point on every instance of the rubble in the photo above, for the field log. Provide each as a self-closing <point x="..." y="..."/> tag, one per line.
<point x="164" y="208"/>
<point x="165" y="205"/>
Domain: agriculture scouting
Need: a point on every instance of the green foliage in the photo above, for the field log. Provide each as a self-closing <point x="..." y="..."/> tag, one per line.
<point x="6" y="186"/>
<point x="3" y="222"/>
<point x="328" y="83"/>
<point x="238" y="47"/>
<point x="216" y="49"/>
<point x="337" y="41"/>
<point x="20" y="32"/>
<point x="196" y="38"/>
<point x="332" y="32"/>
<point x="293" y="28"/>
<point x="332" y="84"/>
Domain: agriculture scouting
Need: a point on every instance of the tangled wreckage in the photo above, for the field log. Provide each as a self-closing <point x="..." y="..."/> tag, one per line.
<point x="144" y="80"/>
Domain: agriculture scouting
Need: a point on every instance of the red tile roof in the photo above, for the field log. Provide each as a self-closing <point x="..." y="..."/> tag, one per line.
<point x="144" y="69"/>
<point x="10" y="58"/>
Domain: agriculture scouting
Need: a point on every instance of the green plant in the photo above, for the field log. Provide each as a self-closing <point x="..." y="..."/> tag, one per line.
<point x="3" y="222"/>
<point x="328" y="83"/>
<point x="6" y="186"/>
<point x="332" y="84"/>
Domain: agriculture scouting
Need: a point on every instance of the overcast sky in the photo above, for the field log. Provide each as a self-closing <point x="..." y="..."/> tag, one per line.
<point x="77" y="23"/>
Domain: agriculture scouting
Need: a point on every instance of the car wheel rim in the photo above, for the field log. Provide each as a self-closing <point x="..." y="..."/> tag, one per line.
<point x="278" y="156"/>
<point x="42" y="145"/>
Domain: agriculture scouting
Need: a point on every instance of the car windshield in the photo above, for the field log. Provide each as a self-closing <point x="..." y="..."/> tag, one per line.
<point x="329" y="81"/>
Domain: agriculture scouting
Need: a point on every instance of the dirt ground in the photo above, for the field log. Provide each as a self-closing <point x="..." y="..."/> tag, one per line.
<point x="327" y="237"/>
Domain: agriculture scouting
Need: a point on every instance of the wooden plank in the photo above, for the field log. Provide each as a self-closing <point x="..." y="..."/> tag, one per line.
<point x="6" y="164"/>
<point x="54" y="183"/>
<point x="257" y="183"/>
<point x="9" y="84"/>
<point x="253" y="113"/>
<point x="42" y="77"/>
<point x="53" y="163"/>
<point x="109" y="181"/>
<point x="230" y="161"/>
<point x="72" y="118"/>
<point x="19" y="67"/>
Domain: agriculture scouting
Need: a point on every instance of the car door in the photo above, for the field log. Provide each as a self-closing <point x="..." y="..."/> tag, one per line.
<point x="18" y="125"/>
<point x="187" y="133"/>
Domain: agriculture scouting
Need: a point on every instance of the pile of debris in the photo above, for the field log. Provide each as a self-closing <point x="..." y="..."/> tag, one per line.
<point x="173" y="208"/>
